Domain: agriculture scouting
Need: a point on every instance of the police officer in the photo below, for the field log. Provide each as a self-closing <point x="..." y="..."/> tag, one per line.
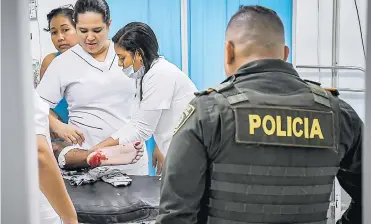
<point x="264" y="146"/>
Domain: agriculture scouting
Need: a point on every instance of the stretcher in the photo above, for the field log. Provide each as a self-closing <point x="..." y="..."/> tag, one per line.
<point x="102" y="203"/>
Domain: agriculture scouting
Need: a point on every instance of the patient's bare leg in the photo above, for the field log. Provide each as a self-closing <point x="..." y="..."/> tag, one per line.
<point x="116" y="155"/>
<point x="74" y="159"/>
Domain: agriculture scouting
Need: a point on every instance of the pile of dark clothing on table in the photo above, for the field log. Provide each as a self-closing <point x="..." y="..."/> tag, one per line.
<point x="110" y="175"/>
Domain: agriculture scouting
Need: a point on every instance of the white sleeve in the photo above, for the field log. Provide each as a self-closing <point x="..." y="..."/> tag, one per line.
<point x="41" y="116"/>
<point x="50" y="87"/>
<point x="140" y="128"/>
<point x="158" y="90"/>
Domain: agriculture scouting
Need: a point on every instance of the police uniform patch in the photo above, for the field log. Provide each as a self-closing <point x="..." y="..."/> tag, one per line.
<point x="185" y="115"/>
<point x="285" y="127"/>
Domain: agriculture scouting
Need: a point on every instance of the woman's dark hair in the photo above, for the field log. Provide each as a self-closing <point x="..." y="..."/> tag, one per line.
<point x="138" y="37"/>
<point x="66" y="11"/>
<point x="98" y="6"/>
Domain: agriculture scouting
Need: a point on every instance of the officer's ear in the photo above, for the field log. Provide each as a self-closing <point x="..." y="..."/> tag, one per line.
<point x="286" y="53"/>
<point x="229" y="52"/>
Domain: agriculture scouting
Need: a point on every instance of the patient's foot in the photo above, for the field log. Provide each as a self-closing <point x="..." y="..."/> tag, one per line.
<point x="116" y="155"/>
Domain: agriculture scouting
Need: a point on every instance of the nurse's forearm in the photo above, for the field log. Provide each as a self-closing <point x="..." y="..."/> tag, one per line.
<point x="52" y="113"/>
<point x="51" y="183"/>
<point x="108" y="142"/>
<point x="140" y="128"/>
<point x="54" y="122"/>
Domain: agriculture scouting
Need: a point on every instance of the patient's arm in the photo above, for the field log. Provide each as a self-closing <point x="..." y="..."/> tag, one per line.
<point x="76" y="158"/>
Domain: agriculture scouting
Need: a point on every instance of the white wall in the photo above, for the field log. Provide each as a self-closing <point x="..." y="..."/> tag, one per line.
<point x="41" y="45"/>
<point x="313" y="44"/>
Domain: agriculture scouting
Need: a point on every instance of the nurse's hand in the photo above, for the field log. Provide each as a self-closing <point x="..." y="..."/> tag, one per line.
<point x="69" y="134"/>
<point x="139" y="147"/>
<point x="157" y="160"/>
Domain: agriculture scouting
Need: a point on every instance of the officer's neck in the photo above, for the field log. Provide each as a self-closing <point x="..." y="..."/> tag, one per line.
<point x="239" y="62"/>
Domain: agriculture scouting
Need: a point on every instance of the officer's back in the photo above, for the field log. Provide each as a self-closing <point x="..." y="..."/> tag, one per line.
<point x="264" y="146"/>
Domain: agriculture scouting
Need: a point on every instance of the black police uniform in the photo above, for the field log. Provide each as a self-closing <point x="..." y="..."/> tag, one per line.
<point x="262" y="147"/>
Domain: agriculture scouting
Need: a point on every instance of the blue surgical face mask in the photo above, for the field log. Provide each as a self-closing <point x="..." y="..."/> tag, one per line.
<point x="129" y="71"/>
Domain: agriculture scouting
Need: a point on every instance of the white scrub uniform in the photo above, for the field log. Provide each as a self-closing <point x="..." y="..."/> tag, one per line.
<point x="47" y="213"/>
<point x="166" y="93"/>
<point x="98" y="94"/>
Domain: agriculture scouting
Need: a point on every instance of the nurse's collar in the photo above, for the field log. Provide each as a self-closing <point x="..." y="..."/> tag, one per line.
<point x="156" y="60"/>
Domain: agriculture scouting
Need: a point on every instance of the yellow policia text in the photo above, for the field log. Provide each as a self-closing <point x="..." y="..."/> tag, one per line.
<point x="298" y="127"/>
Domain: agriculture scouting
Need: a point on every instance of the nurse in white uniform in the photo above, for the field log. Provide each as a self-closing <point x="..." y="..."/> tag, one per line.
<point x="50" y="181"/>
<point x="163" y="91"/>
<point x="98" y="94"/>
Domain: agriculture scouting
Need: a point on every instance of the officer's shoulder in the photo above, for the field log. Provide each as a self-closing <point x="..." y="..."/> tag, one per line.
<point x="197" y="106"/>
<point x="333" y="91"/>
<point x="348" y="112"/>
<point x="204" y="93"/>
<point x="214" y="90"/>
<point x="204" y="98"/>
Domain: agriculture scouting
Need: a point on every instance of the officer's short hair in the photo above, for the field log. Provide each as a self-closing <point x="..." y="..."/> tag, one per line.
<point x="258" y="21"/>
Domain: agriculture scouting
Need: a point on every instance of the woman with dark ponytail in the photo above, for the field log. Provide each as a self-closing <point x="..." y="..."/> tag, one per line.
<point x="163" y="90"/>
